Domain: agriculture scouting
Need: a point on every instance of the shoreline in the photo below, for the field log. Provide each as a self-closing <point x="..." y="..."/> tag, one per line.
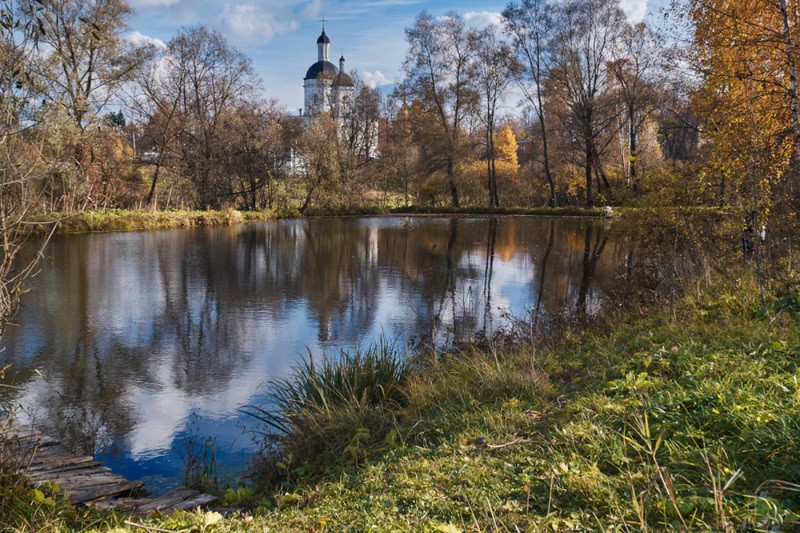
<point x="120" y="220"/>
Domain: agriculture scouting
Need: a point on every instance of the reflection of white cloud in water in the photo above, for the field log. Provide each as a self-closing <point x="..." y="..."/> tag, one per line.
<point x="162" y="410"/>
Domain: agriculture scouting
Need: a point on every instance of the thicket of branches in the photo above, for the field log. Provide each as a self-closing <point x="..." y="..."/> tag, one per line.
<point x="609" y="112"/>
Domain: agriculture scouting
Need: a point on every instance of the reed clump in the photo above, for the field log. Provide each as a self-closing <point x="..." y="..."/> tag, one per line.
<point x="328" y="411"/>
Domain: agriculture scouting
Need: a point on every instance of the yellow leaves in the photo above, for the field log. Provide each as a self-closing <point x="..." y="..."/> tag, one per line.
<point x="742" y="50"/>
<point x="506" y="147"/>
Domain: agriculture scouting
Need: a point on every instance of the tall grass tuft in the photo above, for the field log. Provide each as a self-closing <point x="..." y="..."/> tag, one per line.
<point x="327" y="411"/>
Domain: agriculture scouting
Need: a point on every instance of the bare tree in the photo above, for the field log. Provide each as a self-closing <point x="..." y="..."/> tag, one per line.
<point x="360" y="125"/>
<point x="636" y="61"/>
<point x="587" y="33"/>
<point x="253" y="134"/>
<point x="399" y="154"/>
<point x="320" y="145"/>
<point x="531" y="26"/>
<point x="494" y="67"/>
<point x="437" y="73"/>
<point x="156" y="102"/>
<point x="215" y="79"/>
<point x="86" y="60"/>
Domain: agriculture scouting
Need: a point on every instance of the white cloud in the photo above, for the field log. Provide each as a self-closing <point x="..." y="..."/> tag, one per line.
<point x="635" y="10"/>
<point x="483" y="19"/>
<point x="254" y="23"/>
<point x="153" y="3"/>
<point x="139" y="39"/>
<point x="374" y="79"/>
<point x="313" y="8"/>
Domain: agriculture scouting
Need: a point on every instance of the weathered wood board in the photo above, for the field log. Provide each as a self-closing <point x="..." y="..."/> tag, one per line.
<point x="85" y="481"/>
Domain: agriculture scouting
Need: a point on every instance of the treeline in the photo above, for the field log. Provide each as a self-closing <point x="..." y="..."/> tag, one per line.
<point x="604" y="111"/>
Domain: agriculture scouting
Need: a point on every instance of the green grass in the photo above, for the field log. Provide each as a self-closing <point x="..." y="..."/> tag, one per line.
<point x="328" y="410"/>
<point x="116" y="220"/>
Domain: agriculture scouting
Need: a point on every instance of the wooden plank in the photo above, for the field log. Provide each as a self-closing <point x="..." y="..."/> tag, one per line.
<point x="68" y="483"/>
<point x="198" y="501"/>
<point x="27" y="436"/>
<point x="104" y="491"/>
<point x="64" y="464"/>
<point x="85" y="481"/>
<point x="76" y="472"/>
<point x="173" y="497"/>
<point x="45" y="455"/>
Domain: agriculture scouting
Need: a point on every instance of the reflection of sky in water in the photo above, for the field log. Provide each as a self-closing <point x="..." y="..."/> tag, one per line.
<point x="145" y="338"/>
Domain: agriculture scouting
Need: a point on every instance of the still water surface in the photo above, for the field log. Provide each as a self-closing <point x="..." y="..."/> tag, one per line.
<point x="129" y="343"/>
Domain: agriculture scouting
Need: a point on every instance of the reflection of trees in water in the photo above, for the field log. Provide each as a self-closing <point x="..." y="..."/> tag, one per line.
<point x="452" y="277"/>
<point x="591" y="254"/>
<point x="180" y="310"/>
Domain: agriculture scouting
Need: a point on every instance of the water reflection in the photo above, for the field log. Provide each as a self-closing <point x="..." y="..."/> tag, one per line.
<point x="136" y="334"/>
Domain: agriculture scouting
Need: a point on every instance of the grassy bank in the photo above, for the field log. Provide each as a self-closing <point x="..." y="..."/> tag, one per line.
<point x="111" y="220"/>
<point x="482" y="210"/>
<point x="686" y="419"/>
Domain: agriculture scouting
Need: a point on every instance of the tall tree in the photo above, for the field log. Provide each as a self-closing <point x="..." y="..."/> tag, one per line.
<point x="635" y="64"/>
<point x="157" y="101"/>
<point x="216" y="79"/>
<point x="23" y="166"/>
<point x="587" y="33"/>
<point x="252" y="135"/>
<point x="747" y="53"/>
<point x="437" y="73"/>
<point x="86" y="58"/>
<point x="494" y="67"/>
<point x="319" y="145"/>
<point x="531" y="25"/>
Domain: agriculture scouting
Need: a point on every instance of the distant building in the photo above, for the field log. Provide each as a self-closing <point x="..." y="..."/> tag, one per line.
<point x="327" y="89"/>
<point x="524" y="151"/>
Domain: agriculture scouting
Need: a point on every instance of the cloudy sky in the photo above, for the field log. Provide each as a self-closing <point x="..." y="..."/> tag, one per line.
<point x="280" y="35"/>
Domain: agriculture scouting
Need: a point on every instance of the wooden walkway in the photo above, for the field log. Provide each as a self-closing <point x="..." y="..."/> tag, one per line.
<point x="85" y="481"/>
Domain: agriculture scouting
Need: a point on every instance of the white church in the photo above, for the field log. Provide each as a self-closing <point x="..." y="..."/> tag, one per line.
<point x="327" y="89"/>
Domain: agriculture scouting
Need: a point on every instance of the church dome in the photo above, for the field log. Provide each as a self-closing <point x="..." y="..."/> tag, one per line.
<point x="321" y="67"/>
<point x="323" y="39"/>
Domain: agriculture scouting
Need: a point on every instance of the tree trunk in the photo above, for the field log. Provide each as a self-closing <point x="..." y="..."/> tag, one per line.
<point x="452" y="183"/>
<point x="633" y="147"/>
<point x="552" y="201"/>
<point x="588" y="170"/>
<point x="489" y="156"/>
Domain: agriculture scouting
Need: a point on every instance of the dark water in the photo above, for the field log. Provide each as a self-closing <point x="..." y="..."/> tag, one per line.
<point x="129" y="343"/>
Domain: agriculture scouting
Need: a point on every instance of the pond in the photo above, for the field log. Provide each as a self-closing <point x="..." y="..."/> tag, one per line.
<point x="130" y="345"/>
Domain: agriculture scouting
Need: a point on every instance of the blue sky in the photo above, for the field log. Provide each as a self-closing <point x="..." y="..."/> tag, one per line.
<point x="280" y="35"/>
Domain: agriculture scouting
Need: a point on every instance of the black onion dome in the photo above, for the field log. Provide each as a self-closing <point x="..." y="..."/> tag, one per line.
<point x="323" y="39"/>
<point x="321" y="67"/>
